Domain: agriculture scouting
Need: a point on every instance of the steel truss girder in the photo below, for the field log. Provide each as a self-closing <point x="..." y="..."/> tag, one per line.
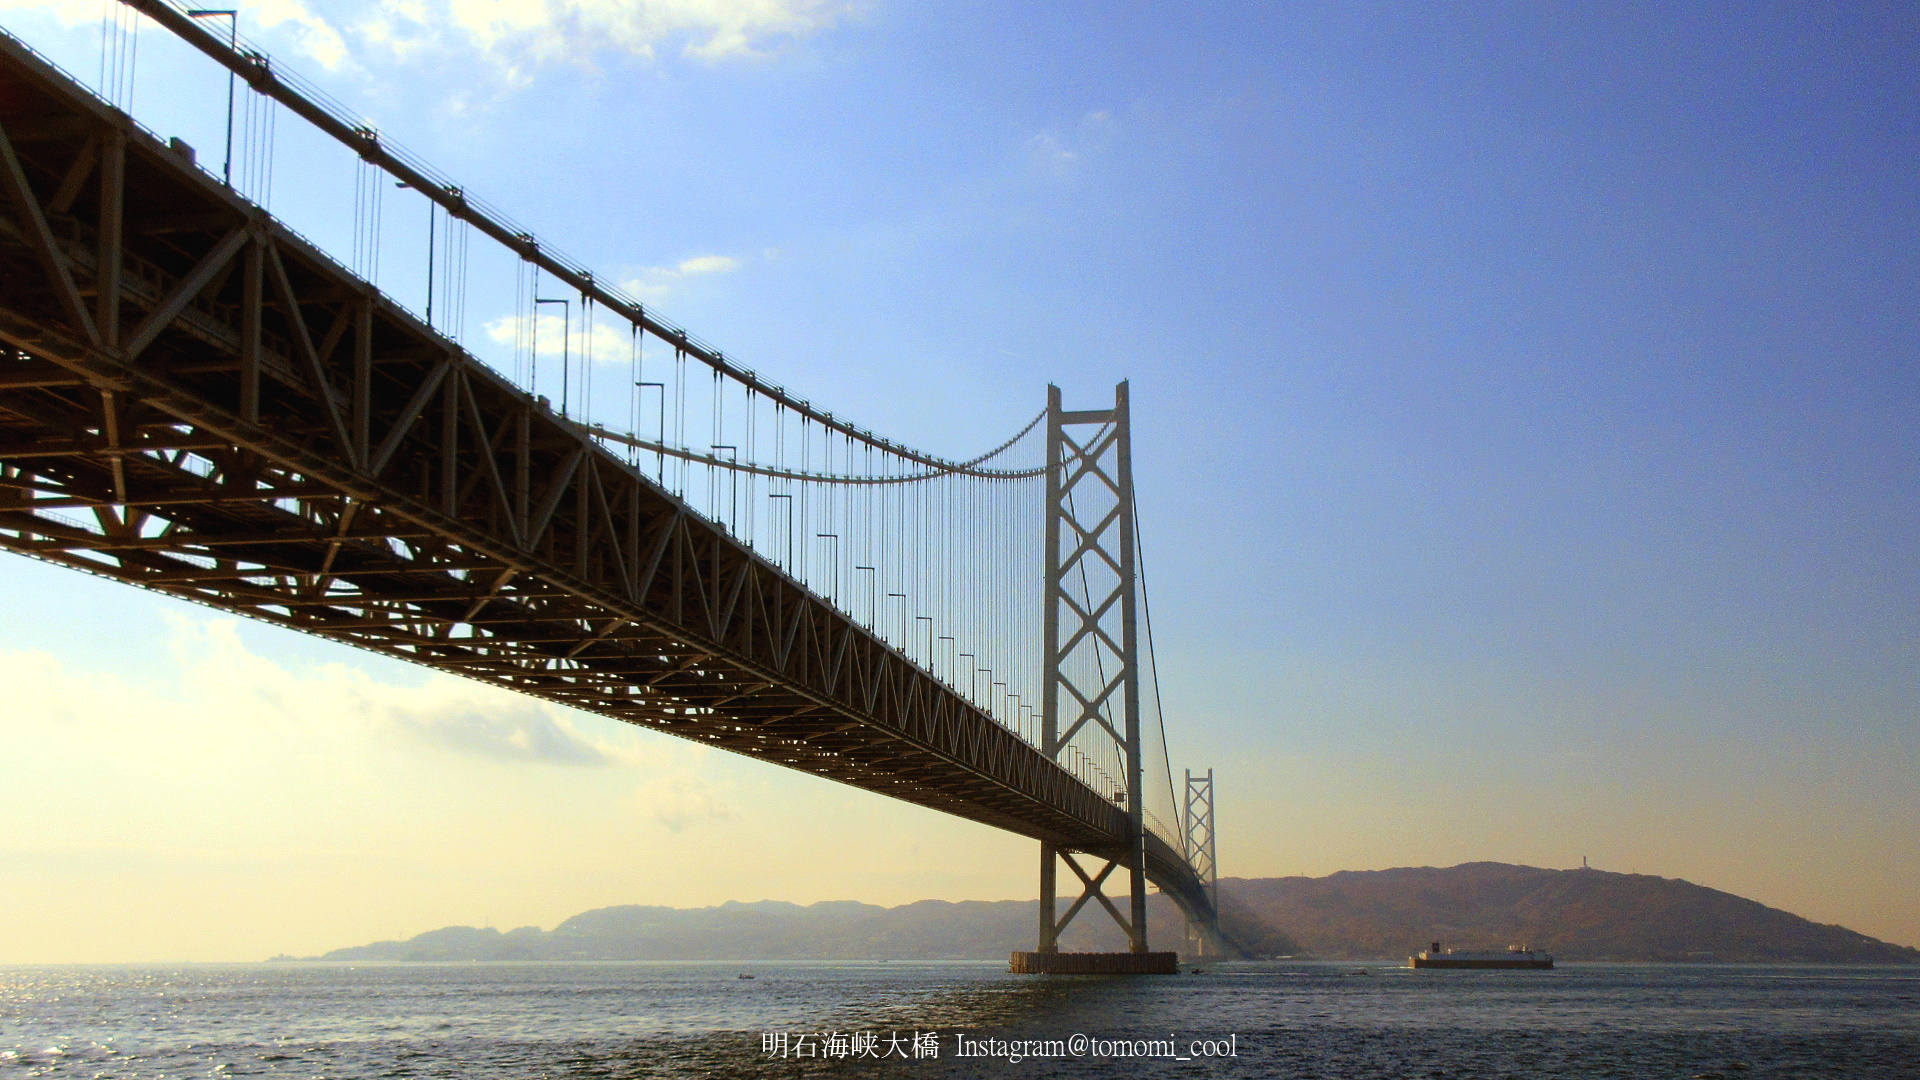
<point x="254" y="429"/>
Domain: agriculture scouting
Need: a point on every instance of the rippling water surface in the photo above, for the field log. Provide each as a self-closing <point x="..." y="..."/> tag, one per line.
<point x="353" y="1021"/>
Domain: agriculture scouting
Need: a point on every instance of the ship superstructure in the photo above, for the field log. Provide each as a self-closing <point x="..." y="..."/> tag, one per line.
<point x="1516" y="957"/>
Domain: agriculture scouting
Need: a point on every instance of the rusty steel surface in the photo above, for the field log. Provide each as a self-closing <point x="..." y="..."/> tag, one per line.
<point x="195" y="400"/>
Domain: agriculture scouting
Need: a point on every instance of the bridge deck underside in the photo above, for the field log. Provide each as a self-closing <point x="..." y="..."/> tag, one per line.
<point x="196" y="401"/>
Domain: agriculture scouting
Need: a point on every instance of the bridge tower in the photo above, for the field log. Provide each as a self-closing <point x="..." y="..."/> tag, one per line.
<point x="1197" y="830"/>
<point x="1091" y="661"/>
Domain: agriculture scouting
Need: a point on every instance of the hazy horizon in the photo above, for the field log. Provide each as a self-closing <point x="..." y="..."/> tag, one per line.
<point x="1062" y="901"/>
<point x="1078" y="939"/>
<point x="1525" y="444"/>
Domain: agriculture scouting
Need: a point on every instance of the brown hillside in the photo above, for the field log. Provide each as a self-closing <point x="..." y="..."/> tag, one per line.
<point x="1578" y="914"/>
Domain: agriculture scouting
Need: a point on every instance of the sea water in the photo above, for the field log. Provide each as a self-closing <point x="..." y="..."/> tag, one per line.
<point x="915" y="1019"/>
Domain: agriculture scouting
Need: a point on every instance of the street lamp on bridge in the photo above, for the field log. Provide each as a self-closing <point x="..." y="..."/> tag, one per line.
<point x="873" y="597"/>
<point x="789" y="498"/>
<point x="233" y="42"/>
<point x="835" y="537"/>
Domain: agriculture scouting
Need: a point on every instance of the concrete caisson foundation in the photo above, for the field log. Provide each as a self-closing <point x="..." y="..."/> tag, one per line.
<point x="1095" y="963"/>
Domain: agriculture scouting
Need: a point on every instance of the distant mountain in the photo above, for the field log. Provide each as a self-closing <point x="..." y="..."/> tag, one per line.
<point x="773" y="930"/>
<point x="767" y="930"/>
<point x="1578" y="914"/>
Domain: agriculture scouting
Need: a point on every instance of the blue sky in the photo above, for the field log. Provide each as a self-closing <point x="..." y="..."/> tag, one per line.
<point x="1525" y="392"/>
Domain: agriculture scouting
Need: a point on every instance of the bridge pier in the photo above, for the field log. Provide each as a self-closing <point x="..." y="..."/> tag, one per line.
<point x="1049" y="904"/>
<point x="1098" y="963"/>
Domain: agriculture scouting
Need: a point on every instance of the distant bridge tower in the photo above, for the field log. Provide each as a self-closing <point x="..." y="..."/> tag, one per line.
<point x="1197" y="830"/>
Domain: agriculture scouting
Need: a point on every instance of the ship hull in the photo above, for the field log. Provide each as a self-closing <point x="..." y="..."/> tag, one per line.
<point x="1481" y="965"/>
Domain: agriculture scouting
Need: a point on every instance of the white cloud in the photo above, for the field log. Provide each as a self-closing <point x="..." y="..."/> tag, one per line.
<point x="451" y="713"/>
<point x="515" y="36"/>
<point x="1060" y="151"/>
<point x="314" y="36"/>
<point x="1049" y="153"/>
<point x="655" y="282"/>
<point x="287" y="24"/>
<point x="521" y="730"/>
<point x="706" y="264"/>
<point x="223" y="679"/>
<point x="554" y="334"/>
<point x="520" y="36"/>
<point x="678" y="801"/>
<point x="226" y="687"/>
<point x="39" y="685"/>
<point x="67" y="12"/>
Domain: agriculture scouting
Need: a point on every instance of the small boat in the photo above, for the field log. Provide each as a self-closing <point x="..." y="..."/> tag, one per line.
<point x="1516" y="958"/>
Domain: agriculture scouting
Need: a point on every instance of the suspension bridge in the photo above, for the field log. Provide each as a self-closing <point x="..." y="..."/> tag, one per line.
<point x="198" y="400"/>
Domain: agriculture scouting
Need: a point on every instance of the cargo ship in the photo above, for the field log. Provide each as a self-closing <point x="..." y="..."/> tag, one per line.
<point x="1516" y="958"/>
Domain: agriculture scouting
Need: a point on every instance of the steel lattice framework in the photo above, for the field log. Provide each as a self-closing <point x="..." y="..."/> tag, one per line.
<point x="1197" y="830"/>
<point x="1090" y="662"/>
<point x="195" y="400"/>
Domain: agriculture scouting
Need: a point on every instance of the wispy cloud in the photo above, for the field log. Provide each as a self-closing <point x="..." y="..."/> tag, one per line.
<point x="313" y="36"/>
<point x="679" y="801"/>
<point x="289" y="24"/>
<point x="225" y="683"/>
<point x="1060" y="151"/>
<point x="67" y="12"/>
<point x="655" y="282"/>
<point x="514" y="38"/>
<point x="552" y="334"/>
<point x="503" y="730"/>
<point x="452" y="714"/>
<point x="523" y="32"/>
<point x="1049" y="153"/>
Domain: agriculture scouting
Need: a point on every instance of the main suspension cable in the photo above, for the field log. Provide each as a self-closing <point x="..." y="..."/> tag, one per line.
<point x="312" y="104"/>
<point x="957" y="468"/>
